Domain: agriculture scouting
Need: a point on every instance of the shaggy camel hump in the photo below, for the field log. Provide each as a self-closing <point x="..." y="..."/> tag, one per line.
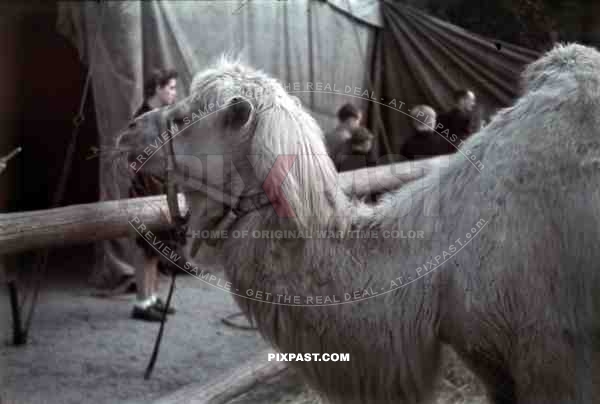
<point x="547" y="141"/>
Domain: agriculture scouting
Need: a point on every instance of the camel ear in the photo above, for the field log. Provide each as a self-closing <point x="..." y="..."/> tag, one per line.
<point x="238" y="113"/>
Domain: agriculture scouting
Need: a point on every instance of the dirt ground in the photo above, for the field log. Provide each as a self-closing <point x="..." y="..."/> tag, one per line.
<point x="86" y="349"/>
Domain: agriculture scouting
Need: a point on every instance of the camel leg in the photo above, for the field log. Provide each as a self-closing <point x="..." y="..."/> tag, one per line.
<point x="548" y="370"/>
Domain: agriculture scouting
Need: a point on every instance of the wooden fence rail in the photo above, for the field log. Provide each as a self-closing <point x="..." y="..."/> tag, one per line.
<point x="108" y="220"/>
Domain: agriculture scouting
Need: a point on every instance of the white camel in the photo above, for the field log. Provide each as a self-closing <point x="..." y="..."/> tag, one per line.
<point x="506" y="273"/>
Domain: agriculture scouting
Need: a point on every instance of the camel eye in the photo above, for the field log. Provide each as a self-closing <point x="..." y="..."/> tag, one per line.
<point x="132" y="125"/>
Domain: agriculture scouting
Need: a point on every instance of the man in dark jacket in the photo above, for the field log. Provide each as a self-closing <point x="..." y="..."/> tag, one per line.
<point x="159" y="91"/>
<point x="425" y="142"/>
<point x="349" y="144"/>
<point x="338" y="141"/>
<point x="463" y="118"/>
<point x="356" y="155"/>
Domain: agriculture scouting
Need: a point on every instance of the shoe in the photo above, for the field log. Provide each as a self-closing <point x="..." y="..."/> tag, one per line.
<point x="150" y="313"/>
<point x="160" y="306"/>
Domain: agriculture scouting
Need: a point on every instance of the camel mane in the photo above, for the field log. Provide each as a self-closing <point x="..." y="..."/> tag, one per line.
<point x="281" y="127"/>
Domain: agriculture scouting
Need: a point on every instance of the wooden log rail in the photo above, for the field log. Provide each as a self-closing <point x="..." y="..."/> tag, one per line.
<point x="76" y="224"/>
<point x="230" y="385"/>
<point x="85" y="223"/>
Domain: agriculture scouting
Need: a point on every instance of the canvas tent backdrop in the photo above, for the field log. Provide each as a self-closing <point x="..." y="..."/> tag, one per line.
<point x="388" y="49"/>
<point x="297" y="41"/>
<point x="420" y="59"/>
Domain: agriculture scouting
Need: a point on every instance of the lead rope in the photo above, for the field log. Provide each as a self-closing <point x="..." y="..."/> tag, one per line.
<point x="40" y="271"/>
<point x="180" y="230"/>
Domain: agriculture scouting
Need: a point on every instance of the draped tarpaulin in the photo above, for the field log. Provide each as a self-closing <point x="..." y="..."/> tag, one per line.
<point x="297" y="41"/>
<point x="420" y="59"/>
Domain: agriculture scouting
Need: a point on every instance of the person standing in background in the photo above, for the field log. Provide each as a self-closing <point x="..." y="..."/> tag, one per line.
<point x="361" y="143"/>
<point x="160" y="90"/>
<point x="424" y="141"/>
<point x="462" y="119"/>
<point x="338" y="141"/>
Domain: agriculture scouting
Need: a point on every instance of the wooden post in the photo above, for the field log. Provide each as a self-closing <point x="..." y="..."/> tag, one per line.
<point x="233" y="384"/>
<point x="387" y="177"/>
<point x="19" y="336"/>
<point x="80" y="223"/>
<point x="75" y="224"/>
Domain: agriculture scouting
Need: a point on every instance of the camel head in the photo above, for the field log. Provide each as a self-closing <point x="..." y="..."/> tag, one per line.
<point x="239" y="131"/>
